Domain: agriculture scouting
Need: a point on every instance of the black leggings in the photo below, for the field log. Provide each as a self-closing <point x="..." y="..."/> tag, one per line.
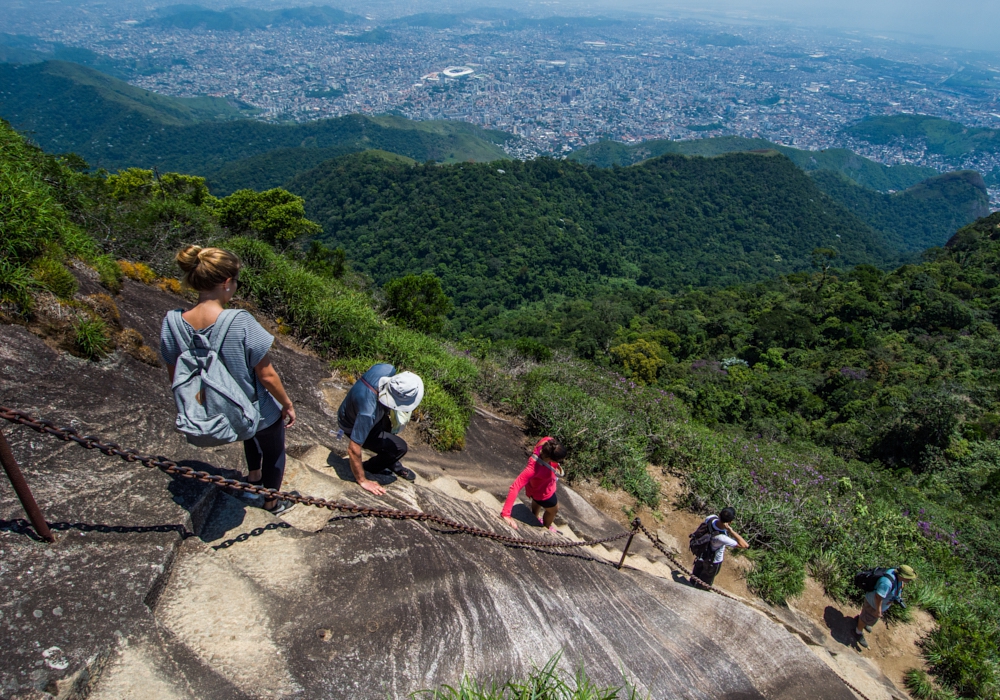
<point x="388" y="448"/>
<point x="266" y="451"/>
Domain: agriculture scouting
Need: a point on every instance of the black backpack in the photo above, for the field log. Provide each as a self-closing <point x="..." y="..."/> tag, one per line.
<point x="700" y="541"/>
<point x="867" y="579"/>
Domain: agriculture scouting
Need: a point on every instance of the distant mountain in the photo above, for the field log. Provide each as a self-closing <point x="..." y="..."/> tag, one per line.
<point x="243" y="18"/>
<point x="503" y="234"/>
<point x="67" y="107"/>
<point x="861" y="170"/>
<point x="16" y="48"/>
<point x="921" y="217"/>
<point x="941" y="136"/>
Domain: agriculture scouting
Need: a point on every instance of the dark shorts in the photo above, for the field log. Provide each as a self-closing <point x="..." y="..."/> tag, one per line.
<point x="548" y="502"/>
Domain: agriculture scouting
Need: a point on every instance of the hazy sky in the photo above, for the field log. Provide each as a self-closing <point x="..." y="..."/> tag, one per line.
<point x="973" y="24"/>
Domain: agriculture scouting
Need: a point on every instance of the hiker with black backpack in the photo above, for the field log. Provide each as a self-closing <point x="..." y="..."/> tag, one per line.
<point x="882" y="588"/>
<point x="708" y="544"/>
<point x="220" y="370"/>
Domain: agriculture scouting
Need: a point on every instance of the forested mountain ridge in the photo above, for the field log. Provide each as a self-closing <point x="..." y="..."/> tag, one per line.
<point x="503" y="234"/>
<point x="859" y="169"/>
<point x="113" y="125"/>
<point x="67" y="106"/>
<point x="941" y="136"/>
<point x="922" y="216"/>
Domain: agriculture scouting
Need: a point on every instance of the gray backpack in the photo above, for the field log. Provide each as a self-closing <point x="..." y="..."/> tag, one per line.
<point x="212" y="409"/>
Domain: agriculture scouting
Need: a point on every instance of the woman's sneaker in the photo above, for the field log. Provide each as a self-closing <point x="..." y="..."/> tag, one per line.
<point x="280" y="507"/>
<point x="860" y="637"/>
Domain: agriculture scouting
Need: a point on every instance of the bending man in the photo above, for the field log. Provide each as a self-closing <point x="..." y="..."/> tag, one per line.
<point x="372" y="414"/>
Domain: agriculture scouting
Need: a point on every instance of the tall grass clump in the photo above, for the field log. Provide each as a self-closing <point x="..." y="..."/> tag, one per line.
<point x="541" y="684"/>
<point x="342" y="323"/>
<point x="91" y="339"/>
<point x="921" y="688"/>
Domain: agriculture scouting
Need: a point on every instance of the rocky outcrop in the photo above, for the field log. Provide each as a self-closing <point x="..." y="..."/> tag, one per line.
<point x="166" y="588"/>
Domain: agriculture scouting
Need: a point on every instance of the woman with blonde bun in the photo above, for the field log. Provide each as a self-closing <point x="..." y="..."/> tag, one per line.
<point x="214" y="274"/>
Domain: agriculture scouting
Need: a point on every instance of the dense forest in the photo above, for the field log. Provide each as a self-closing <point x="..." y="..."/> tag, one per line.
<point x="923" y="216"/>
<point x="506" y="234"/>
<point x="71" y="108"/>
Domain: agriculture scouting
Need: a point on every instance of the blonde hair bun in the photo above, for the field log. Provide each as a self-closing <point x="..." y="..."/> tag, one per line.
<point x="207" y="268"/>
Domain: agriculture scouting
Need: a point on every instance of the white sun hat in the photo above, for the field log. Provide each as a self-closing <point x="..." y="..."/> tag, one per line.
<point x="402" y="392"/>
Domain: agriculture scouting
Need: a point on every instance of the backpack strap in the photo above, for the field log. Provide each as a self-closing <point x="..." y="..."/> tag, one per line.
<point x="179" y="328"/>
<point x="222" y="324"/>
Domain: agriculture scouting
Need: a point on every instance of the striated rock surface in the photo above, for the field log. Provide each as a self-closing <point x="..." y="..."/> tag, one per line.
<point x="166" y="588"/>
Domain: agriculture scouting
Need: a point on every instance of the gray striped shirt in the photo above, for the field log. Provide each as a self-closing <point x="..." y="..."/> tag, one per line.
<point x="245" y="345"/>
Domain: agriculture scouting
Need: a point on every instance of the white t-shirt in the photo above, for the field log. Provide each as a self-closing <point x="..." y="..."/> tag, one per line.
<point x="719" y="543"/>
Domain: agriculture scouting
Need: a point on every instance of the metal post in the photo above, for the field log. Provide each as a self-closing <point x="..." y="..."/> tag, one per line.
<point x="22" y="491"/>
<point x="628" y="542"/>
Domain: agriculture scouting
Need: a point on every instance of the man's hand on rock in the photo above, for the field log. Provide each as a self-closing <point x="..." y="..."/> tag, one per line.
<point x="372" y="487"/>
<point x="510" y="521"/>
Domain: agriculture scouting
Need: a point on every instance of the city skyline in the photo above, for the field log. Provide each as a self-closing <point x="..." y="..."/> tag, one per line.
<point x="562" y="84"/>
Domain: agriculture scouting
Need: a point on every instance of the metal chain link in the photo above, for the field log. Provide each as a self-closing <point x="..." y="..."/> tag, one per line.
<point x="91" y="442"/>
<point x="655" y="541"/>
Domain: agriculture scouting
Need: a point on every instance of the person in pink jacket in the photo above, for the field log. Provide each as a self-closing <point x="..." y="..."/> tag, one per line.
<point x="539" y="481"/>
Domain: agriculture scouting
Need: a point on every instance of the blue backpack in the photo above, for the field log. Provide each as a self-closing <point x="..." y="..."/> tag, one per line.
<point x="212" y="409"/>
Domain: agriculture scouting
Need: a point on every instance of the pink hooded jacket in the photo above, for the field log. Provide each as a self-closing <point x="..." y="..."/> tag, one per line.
<point x="538" y="480"/>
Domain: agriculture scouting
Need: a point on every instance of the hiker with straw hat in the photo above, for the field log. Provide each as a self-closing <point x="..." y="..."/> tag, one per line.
<point x="882" y="587"/>
<point x="374" y="412"/>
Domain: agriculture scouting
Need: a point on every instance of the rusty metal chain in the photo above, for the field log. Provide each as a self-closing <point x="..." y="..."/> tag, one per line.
<point x="91" y="442"/>
<point x="655" y="541"/>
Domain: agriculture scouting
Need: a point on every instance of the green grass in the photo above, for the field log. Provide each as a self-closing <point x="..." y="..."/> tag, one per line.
<point x="90" y="337"/>
<point x="541" y="684"/>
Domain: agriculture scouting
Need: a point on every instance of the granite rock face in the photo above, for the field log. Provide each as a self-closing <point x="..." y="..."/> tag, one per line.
<point x="166" y="588"/>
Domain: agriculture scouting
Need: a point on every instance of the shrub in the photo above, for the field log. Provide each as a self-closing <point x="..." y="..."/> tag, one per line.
<point x="275" y="216"/>
<point x="91" y="338"/>
<point x="776" y="576"/>
<point x="417" y="302"/>
<point x="53" y="276"/>
<point x="137" y="271"/>
<point x="172" y="285"/>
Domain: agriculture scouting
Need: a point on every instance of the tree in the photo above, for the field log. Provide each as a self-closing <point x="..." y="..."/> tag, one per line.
<point x="822" y="259"/>
<point x="275" y="216"/>
<point x="417" y="302"/>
